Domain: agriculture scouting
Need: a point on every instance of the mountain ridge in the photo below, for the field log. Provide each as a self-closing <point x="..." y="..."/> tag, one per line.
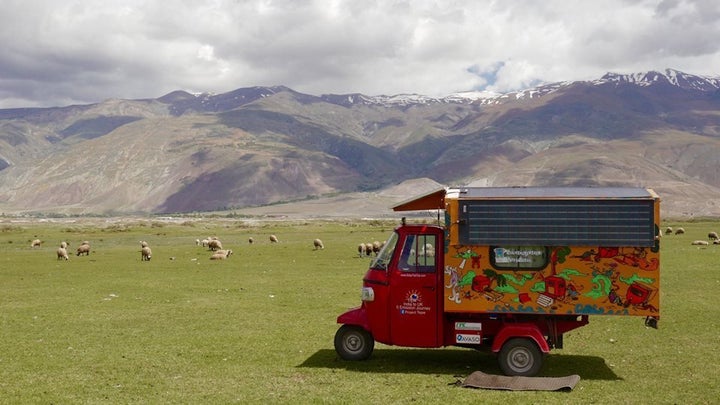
<point x="255" y="146"/>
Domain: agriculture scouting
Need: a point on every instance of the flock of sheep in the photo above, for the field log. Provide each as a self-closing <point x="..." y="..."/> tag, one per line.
<point x="369" y="248"/>
<point x="62" y="254"/>
<point x="212" y="243"/>
<point x="712" y="237"/>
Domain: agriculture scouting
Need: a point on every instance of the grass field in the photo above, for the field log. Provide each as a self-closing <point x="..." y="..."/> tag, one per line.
<point x="259" y="327"/>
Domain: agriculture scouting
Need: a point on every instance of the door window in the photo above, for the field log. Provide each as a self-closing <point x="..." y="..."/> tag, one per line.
<point x="418" y="254"/>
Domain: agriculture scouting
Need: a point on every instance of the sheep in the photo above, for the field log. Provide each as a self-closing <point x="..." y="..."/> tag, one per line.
<point x="145" y="253"/>
<point x="361" y="249"/>
<point x="716" y="242"/>
<point x="368" y="249"/>
<point x="318" y="244"/>
<point x="700" y="242"/>
<point x="376" y="246"/>
<point x="679" y="231"/>
<point x="215" y="244"/>
<point x="197" y="242"/>
<point x="428" y="250"/>
<point x="273" y="239"/>
<point x="35" y="243"/>
<point x="668" y="230"/>
<point x="143" y="244"/>
<point x="63" y="245"/>
<point x="62" y="253"/>
<point x="224" y="252"/>
<point x="205" y="242"/>
<point x="713" y="236"/>
<point x="221" y="255"/>
<point x="84" y="248"/>
<point x="251" y="240"/>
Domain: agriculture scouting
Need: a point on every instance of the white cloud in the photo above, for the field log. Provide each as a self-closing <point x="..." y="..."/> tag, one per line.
<point x="85" y="51"/>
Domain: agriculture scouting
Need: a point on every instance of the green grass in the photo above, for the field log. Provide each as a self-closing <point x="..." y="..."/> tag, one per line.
<point x="259" y="327"/>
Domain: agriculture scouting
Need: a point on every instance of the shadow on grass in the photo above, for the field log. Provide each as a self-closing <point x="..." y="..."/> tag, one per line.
<point x="456" y="363"/>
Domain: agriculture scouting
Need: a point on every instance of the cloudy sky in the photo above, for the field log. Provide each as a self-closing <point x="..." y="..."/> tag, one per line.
<point x="57" y="53"/>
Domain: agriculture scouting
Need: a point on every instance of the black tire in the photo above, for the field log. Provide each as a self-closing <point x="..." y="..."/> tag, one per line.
<point x="520" y="357"/>
<point x="354" y="343"/>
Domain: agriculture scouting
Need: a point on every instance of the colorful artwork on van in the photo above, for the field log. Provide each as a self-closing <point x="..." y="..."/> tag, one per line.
<point x="552" y="280"/>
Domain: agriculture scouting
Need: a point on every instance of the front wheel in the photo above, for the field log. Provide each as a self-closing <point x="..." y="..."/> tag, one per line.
<point x="520" y="357"/>
<point x="353" y="343"/>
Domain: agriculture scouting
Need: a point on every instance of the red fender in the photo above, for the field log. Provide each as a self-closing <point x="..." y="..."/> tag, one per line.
<point x="522" y="330"/>
<point x="356" y="316"/>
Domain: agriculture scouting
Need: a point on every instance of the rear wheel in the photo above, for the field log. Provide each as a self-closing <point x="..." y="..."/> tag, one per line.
<point x="520" y="356"/>
<point x="353" y="343"/>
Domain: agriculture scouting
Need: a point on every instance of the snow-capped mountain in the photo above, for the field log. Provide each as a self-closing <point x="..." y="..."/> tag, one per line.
<point x="669" y="76"/>
<point x="254" y="146"/>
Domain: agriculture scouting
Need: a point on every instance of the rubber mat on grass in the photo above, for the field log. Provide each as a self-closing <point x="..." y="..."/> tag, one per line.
<point x="478" y="379"/>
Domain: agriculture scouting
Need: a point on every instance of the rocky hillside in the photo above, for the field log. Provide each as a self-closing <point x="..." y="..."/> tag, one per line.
<point x="266" y="145"/>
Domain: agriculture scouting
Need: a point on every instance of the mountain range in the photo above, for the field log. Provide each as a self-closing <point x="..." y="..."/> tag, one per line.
<point x="262" y="146"/>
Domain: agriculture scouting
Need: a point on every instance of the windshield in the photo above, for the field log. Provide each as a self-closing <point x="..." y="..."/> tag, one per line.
<point x="383" y="257"/>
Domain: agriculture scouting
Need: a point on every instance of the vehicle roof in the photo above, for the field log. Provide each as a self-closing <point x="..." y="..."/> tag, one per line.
<point x="436" y="199"/>
<point x="555" y="192"/>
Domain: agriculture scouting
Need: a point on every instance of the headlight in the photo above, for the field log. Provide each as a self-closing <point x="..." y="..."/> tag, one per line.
<point x="368" y="294"/>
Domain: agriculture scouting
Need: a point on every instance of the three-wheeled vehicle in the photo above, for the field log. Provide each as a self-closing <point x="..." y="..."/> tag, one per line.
<point x="511" y="269"/>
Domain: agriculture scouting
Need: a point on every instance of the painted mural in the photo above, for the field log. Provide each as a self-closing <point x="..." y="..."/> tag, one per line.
<point x="553" y="280"/>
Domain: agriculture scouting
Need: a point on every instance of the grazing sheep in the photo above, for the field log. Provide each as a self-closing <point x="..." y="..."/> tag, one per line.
<point x="63" y="245"/>
<point x="205" y="242"/>
<point x="145" y="254"/>
<point x="273" y="239"/>
<point x="368" y="249"/>
<point x="428" y="250"/>
<point x="376" y="246"/>
<point x="668" y="230"/>
<point x="713" y="236"/>
<point x="679" y="231"/>
<point x="716" y="242"/>
<point x="84" y="248"/>
<point x="318" y="244"/>
<point x="215" y="244"/>
<point x="62" y="253"/>
<point x="221" y="255"/>
<point x="361" y="249"/>
<point x="197" y="242"/>
<point x="251" y="240"/>
<point x="700" y="242"/>
<point x="36" y="243"/>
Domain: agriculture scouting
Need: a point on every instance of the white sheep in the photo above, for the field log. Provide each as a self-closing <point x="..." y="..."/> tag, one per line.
<point x="62" y="253"/>
<point x="700" y="242"/>
<point x="376" y="246"/>
<point x="35" y="243"/>
<point x="679" y="231"/>
<point x="215" y="244"/>
<point x="713" y="236"/>
<point x="143" y="244"/>
<point x="221" y="255"/>
<point x="63" y="245"/>
<point x="84" y="248"/>
<point x="251" y="240"/>
<point x="318" y="244"/>
<point x="361" y="250"/>
<point x="273" y="239"/>
<point x="669" y="230"/>
<point x="145" y="253"/>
